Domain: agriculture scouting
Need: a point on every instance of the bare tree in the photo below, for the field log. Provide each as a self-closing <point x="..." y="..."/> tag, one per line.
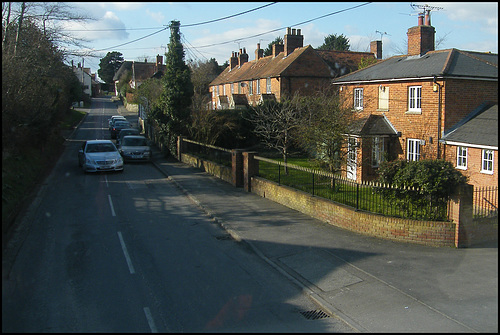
<point x="323" y="126"/>
<point x="275" y="123"/>
<point x="49" y="18"/>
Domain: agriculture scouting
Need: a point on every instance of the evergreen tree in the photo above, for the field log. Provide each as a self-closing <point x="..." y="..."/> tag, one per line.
<point x="173" y="112"/>
<point x="335" y="42"/>
<point x="109" y="65"/>
<point x="269" y="50"/>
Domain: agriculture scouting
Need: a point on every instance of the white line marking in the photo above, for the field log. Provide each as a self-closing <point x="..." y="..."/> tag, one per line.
<point x="151" y="322"/>
<point x="111" y="205"/>
<point x="125" y="252"/>
<point x="106" y="179"/>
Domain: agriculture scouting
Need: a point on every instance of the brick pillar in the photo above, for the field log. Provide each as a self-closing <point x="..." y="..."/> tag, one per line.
<point x="250" y="169"/>
<point x="237" y="167"/>
<point x="180" y="148"/>
<point x="461" y="213"/>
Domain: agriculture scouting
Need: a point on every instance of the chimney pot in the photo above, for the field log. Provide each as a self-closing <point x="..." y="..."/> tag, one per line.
<point x="427" y="18"/>
<point x="420" y="19"/>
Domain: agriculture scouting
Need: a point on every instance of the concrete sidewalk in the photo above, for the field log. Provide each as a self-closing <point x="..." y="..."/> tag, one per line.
<point x="374" y="285"/>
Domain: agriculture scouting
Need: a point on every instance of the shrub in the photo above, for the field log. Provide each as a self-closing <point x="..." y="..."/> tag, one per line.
<point x="435" y="181"/>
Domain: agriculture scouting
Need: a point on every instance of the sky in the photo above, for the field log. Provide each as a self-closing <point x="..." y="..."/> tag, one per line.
<point x="139" y="30"/>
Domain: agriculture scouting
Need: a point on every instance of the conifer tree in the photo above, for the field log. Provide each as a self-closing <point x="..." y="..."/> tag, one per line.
<point x="173" y="112"/>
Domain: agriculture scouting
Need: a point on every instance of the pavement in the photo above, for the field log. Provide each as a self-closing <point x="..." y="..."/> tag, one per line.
<point x="372" y="284"/>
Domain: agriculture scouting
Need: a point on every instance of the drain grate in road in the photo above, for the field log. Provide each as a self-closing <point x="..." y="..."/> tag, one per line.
<point x="224" y="237"/>
<point x="315" y="315"/>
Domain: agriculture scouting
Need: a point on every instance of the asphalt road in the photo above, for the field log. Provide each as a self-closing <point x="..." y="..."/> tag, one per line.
<point x="129" y="252"/>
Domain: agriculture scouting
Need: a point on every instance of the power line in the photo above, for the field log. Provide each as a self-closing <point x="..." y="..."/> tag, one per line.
<point x="140" y="38"/>
<point x="186" y="25"/>
<point x="190" y="25"/>
<point x="274" y="30"/>
<point x="227" y="17"/>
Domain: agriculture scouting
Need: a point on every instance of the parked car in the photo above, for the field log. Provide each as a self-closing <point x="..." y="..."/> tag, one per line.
<point x="135" y="148"/>
<point x="125" y="132"/>
<point x="114" y="118"/>
<point x="118" y="126"/>
<point x="99" y="155"/>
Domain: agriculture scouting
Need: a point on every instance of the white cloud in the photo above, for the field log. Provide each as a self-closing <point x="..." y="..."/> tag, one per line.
<point x="101" y="29"/>
<point x="157" y="16"/>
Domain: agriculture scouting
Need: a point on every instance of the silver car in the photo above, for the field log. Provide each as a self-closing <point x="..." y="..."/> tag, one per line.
<point x="99" y="155"/>
<point x="135" y="148"/>
<point x="115" y="118"/>
<point x="125" y="132"/>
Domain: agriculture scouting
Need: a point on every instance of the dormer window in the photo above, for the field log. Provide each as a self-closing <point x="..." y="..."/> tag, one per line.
<point x="358" y="99"/>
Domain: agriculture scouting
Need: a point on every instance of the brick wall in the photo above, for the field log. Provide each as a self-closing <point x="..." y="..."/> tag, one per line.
<point x="461" y="97"/>
<point x="420" y="232"/>
<point x="474" y="164"/>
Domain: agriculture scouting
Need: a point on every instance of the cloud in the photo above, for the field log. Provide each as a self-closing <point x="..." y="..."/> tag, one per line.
<point x="157" y="16"/>
<point x="485" y="14"/>
<point x="107" y="27"/>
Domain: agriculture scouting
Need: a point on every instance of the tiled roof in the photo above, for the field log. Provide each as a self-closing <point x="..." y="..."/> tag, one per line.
<point x="443" y="63"/>
<point x="372" y="125"/>
<point x="269" y="67"/>
<point x="480" y="127"/>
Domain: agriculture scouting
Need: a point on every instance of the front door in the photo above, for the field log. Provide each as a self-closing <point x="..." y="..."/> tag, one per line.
<point x="352" y="145"/>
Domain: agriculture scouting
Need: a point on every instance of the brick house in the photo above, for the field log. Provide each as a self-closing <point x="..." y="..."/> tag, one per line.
<point x="472" y="145"/>
<point x="291" y="68"/>
<point x="405" y="104"/>
<point x="140" y="71"/>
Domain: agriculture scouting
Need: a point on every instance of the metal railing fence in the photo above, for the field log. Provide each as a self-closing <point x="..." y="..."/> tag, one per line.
<point x="209" y="152"/>
<point x="485" y="202"/>
<point x="373" y="197"/>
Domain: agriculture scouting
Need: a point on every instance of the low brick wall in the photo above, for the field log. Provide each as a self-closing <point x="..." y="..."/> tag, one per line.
<point x="430" y="233"/>
<point x="220" y="171"/>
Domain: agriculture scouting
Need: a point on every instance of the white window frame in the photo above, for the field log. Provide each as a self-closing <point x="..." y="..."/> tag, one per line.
<point x="487" y="160"/>
<point x="461" y="158"/>
<point x="224" y="89"/>
<point x="268" y="85"/>
<point x="383" y="98"/>
<point x="250" y="87"/>
<point x="378" y="150"/>
<point x="415" y="99"/>
<point x="257" y="83"/>
<point x="358" y="99"/>
<point x="412" y="150"/>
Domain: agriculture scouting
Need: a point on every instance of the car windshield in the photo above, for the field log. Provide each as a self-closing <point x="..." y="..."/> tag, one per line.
<point x="122" y="125"/>
<point x="132" y="141"/>
<point x="100" y="147"/>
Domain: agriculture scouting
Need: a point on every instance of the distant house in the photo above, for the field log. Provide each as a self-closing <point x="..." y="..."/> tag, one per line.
<point x="472" y="145"/>
<point x="85" y="78"/>
<point x="406" y="104"/>
<point x="140" y="71"/>
<point x="291" y="68"/>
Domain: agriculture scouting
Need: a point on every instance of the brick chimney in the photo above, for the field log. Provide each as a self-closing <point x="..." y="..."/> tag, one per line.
<point x="421" y="37"/>
<point x="242" y="57"/>
<point x="293" y="39"/>
<point x="277" y="48"/>
<point x="259" y="53"/>
<point x="233" y="61"/>
<point x="376" y="49"/>
<point x="159" y="60"/>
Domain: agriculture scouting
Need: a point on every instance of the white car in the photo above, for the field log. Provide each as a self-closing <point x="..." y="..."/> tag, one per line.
<point x="135" y="148"/>
<point x="99" y="155"/>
